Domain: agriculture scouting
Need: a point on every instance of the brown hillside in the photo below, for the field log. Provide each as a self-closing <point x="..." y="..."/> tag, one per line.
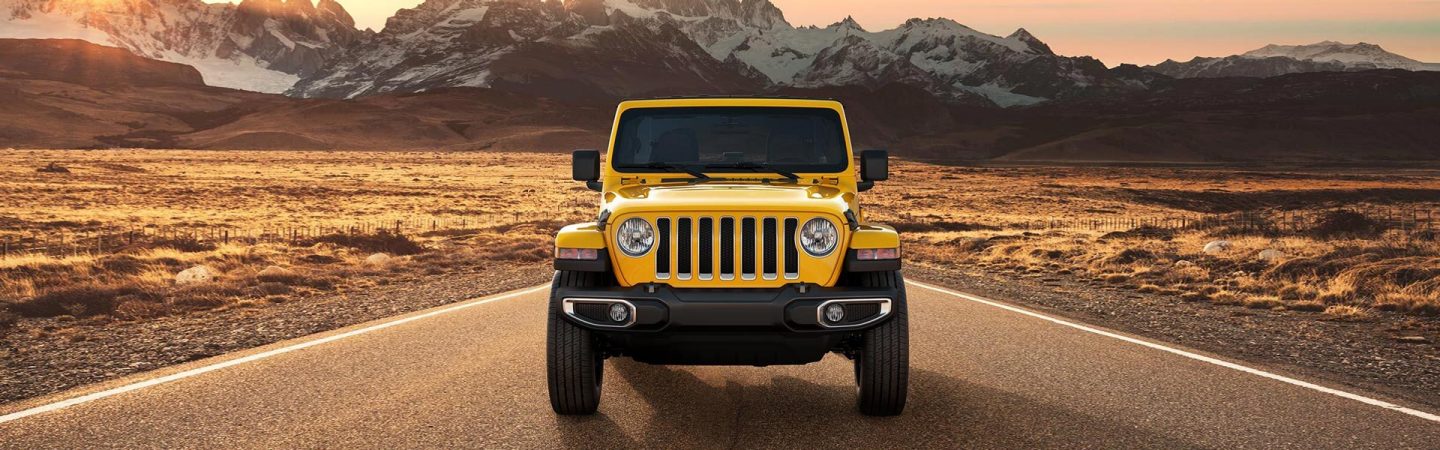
<point x="80" y="62"/>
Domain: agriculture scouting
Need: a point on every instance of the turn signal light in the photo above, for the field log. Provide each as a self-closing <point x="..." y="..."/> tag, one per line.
<point x="877" y="254"/>
<point x="587" y="254"/>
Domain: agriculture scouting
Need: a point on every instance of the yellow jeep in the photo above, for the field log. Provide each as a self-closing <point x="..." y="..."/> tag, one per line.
<point x="729" y="232"/>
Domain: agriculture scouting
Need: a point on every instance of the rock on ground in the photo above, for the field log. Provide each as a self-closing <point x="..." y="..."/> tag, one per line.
<point x="1271" y="255"/>
<point x="1217" y="247"/>
<point x="275" y="273"/>
<point x="193" y="275"/>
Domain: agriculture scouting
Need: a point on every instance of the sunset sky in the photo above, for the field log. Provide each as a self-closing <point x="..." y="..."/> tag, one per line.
<point x="1125" y="31"/>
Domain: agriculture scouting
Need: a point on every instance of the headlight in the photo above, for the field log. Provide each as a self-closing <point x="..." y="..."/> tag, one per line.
<point x="818" y="237"/>
<point x="635" y="237"/>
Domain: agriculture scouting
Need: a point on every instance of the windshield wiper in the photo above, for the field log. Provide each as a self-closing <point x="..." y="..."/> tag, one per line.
<point x="673" y="168"/>
<point x="756" y="167"/>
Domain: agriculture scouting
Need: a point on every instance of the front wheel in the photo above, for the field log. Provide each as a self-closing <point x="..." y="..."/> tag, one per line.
<point x="574" y="365"/>
<point x="882" y="366"/>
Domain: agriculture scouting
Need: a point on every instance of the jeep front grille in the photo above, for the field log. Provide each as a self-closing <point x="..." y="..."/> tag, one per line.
<point x="766" y="245"/>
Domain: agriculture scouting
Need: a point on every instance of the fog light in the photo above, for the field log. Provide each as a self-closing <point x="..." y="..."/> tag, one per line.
<point x="835" y="313"/>
<point x="619" y="312"/>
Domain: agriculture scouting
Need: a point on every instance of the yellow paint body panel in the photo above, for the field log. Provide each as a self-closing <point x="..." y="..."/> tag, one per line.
<point x="650" y="196"/>
<point x="580" y="235"/>
<point x="875" y="236"/>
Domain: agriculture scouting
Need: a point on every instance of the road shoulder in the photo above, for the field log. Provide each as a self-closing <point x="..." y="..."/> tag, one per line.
<point x="1345" y="354"/>
<point x="43" y="358"/>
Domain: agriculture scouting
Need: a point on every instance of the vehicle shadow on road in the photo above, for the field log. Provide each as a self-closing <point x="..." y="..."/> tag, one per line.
<point x="685" y="411"/>
<point x="597" y="431"/>
<point x="697" y="415"/>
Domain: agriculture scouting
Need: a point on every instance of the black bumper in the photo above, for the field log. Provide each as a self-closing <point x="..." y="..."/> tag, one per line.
<point x="728" y="326"/>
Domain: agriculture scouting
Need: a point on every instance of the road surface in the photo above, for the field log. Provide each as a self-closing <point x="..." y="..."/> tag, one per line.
<point x="984" y="375"/>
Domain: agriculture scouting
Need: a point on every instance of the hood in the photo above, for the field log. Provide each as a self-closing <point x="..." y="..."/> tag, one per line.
<point x="728" y="198"/>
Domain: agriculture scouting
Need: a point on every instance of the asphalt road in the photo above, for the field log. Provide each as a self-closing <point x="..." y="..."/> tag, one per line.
<point x="983" y="376"/>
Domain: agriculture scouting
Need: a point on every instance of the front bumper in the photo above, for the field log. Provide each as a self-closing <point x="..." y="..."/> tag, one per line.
<point x="727" y="326"/>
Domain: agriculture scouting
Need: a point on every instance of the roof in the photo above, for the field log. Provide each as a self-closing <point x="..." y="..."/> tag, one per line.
<point x="728" y="96"/>
<point x="748" y="101"/>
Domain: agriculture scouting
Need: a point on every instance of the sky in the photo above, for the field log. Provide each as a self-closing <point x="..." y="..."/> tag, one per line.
<point x="1122" y="31"/>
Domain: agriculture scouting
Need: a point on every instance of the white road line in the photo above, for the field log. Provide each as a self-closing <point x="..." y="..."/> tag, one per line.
<point x="1194" y="356"/>
<point x="472" y="303"/>
<point x="256" y="357"/>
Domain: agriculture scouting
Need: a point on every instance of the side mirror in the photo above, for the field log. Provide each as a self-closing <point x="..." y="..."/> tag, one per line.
<point x="586" y="167"/>
<point x="874" y="166"/>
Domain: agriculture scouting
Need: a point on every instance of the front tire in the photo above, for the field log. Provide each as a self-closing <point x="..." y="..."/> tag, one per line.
<point x="575" y="366"/>
<point x="882" y="367"/>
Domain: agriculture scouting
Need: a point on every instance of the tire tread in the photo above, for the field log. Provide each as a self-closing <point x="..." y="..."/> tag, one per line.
<point x="572" y="359"/>
<point x="884" y="362"/>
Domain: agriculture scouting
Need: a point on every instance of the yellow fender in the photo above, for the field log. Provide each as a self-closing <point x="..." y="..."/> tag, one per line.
<point x="580" y="235"/>
<point x="875" y="236"/>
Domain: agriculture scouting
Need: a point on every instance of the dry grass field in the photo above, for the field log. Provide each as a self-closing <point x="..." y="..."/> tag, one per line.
<point x="1341" y="243"/>
<point x="486" y="208"/>
<point x="504" y="207"/>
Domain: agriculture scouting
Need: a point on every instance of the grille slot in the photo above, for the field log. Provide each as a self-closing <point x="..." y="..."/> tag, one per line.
<point x="747" y="248"/>
<point x="727" y="249"/>
<point x="792" y="253"/>
<point x="682" y="249"/>
<point x="662" y="253"/>
<point x="707" y="248"/>
<point x="770" y="246"/>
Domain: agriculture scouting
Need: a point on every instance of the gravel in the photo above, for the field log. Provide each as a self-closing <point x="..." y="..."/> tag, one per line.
<point x="42" y="357"/>
<point x="1379" y="354"/>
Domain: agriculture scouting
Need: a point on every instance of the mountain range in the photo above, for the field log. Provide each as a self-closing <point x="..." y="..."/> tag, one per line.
<point x="615" y="49"/>
<point x="1274" y="60"/>
<point x="544" y="75"/>
<point x="612" y="48"/>
<point x="51" y="98"/>
<point x="628" y="48"/>
<point x="258" y="45"/>
<point x="57" y="93"/>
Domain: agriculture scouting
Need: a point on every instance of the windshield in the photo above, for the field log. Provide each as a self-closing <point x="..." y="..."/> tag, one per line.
<point x="744" y="139"/>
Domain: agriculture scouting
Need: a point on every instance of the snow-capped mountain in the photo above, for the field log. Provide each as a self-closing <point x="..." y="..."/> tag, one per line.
<point x="941" y="55"/>
<point x="258" y="45"/>
<point x="578" y="49"/>
<point x="570" y="48"/>
<point x="587" y="48"/>
<point x="1355" y="56"/>
<point x="643" y="47"/>
<point x="1274" y="60"/>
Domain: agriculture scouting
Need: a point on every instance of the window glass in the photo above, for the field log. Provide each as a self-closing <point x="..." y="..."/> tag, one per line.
<point x="797" y="140"/>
